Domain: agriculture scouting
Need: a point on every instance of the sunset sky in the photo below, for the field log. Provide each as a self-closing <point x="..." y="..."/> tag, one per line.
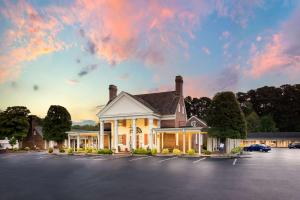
<point x="68" y="52"/>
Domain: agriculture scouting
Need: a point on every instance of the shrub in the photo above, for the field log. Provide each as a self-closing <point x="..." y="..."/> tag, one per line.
<point x="206" y="152"/>
<point x="153" y="152"/>
<point x="104" y="151"/>
<point x="27" y="149"/>
<point x="177" y="152"/>
<point x="94" y="150"/>
<point x="191" y="152"/>
<point x="236" y="150"/>
<point x="61" y="150"/>
<point x="15" y="149"/>
<point x="88" y="150"/>
<point x="80" y="150"/>
<point x="165" y="151"/>
<point x="50" y="150"/>
<point x="141" y="151"/>
<point x="70" y="151"/>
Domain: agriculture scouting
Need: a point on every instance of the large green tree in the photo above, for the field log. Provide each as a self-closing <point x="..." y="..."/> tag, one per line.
<point x="267" y="124"/>
<point x="56" y="123"/>
<point x="225" y="117"/>
<point x="197" y="107"/>
<point x="282" y="103"/>
<point x="14" y="122"/>
<point x="253" y="122"/>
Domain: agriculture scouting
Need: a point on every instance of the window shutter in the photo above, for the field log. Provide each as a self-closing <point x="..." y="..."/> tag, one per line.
<point x="155" y="122"/>
<point x="145" y="122"/>
<point x="124" y="123"/>
<point x="124" y="139"/>
<point x="146" y="139"/>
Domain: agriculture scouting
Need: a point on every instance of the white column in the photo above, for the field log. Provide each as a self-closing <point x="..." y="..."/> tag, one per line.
<point x="78" y="142"/>
<point x="199" y="143"/>
<point x="158" y="142"/>
<point x="116" y="135"/>
<point x="101" y="139"/>
<point x="127" y="139"/>
<point x="133" y="137"/>
<point x="69" y="141"/>
<point x="176" y="139"/>
<point x="150" y="135"/>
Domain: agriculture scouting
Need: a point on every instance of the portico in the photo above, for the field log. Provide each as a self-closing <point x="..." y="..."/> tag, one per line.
<point x="181" y="138"/>
<point x="129" y="132"/>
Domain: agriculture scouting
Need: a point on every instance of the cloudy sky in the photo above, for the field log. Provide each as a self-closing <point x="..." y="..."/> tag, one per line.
<point x="68" y="52"/>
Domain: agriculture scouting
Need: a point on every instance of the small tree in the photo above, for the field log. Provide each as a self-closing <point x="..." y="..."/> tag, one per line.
<point x="12" y="142"/>
<point x="267" y="124"/>
<point x="225" y="117"/>
<point x="253" y="122"/>
<point x="56" y="123"/>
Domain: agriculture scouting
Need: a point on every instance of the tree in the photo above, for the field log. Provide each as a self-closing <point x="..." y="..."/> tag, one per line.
<point x="267" y="124"/>
<point x="56" y="123"/>
<point x="12" y="142"/>
<point x="197" y="107"/>
<point x="225" y="117"/>
<point x="14" y="122"/>
<point x="253" y="122"/>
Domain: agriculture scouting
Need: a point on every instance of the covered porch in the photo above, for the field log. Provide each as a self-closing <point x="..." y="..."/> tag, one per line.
<point x="183" y="139"/>
<point x="84" y="140"/>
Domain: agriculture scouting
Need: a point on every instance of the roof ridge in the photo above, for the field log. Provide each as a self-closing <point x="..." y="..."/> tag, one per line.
<point x="155" y="93"/>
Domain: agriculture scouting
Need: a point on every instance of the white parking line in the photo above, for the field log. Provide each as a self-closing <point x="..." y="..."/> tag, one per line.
<point x="140" y="158"/>
<point x="172" y="158"/>
<point x="234" y="162"/>
<point x="100" y="159"/>
<point x="196" y="161"/>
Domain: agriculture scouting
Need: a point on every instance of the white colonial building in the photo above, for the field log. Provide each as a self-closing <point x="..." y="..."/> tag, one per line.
<point x="154" y="120"/>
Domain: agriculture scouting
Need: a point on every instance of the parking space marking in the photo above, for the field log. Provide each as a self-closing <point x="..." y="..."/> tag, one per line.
<point x="140" y="158"/>
<point x="172" y="158"/>
<point x="196" y="161"/>
<point x="234" y="162"/>
<point x="100" y="159"/>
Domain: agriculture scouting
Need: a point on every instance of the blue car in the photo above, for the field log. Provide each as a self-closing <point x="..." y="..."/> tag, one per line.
<point x="258" y="147"/>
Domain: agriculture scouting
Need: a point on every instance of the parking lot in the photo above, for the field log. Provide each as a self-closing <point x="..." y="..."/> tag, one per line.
<point x="273" y="175"/>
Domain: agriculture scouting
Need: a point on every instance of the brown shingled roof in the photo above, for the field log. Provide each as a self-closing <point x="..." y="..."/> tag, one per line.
<point x="164" y="103"/>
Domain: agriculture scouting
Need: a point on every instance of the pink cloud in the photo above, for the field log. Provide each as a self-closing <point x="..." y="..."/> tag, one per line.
<point x="238" y="11"/>
<point x="29" y="37"/>
<point x="281" y="53"/>
<point x="206" y="50"/>
<point x="72" y="81"/>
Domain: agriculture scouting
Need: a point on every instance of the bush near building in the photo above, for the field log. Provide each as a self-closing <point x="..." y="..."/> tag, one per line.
<point x="50" y="150"/>
<point x="104" y="151"/>
<point x="206" y="152"/>
<point x="191" y="152"/>
<point x="177" y="152"/>
<point x="70" y="151"/>
<point x="236" y="150"/>
<point x="153" y="152"/>
<point x="165" y="151"/>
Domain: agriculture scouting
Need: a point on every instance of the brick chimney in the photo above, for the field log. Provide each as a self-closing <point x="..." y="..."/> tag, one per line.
<point x="112" y="92"/>
<point x="178" y="85"/>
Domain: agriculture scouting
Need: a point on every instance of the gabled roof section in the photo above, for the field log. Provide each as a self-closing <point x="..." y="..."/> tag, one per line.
<point x="128" y="96"/>
<point x="200" y="122"/>
<point x="164" y="103"/>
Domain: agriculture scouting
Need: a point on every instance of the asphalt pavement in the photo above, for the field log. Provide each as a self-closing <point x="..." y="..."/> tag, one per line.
<point x="273" y="175"/>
